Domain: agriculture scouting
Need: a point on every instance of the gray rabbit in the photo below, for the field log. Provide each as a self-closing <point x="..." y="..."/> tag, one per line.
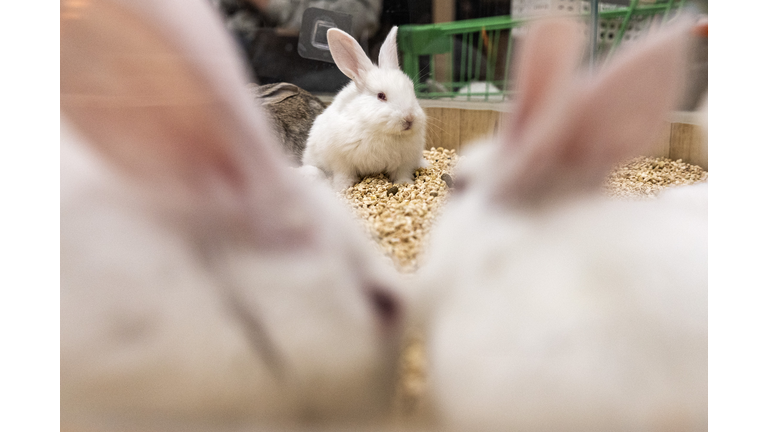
<point x="291" y="111"/>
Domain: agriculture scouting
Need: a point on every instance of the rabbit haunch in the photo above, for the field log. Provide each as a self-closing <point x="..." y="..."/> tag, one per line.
<point x="548" y="306"/>
<point x="374" y="125"/>
<point x="201" y="279"/>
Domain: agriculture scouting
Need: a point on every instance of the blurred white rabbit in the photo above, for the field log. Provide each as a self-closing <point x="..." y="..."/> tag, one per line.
<point x="200" y="278"/>
<point x="549" y="306"/>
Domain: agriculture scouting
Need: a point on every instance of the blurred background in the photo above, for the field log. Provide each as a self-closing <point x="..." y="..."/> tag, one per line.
<point x="450" y="48"/>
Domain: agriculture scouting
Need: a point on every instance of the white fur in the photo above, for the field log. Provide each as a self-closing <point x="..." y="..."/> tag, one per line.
<point x="240" y="294"/>
<point x="358" y="134"/>
<point x="591" y="316"/>
<point x="551" y="308"/>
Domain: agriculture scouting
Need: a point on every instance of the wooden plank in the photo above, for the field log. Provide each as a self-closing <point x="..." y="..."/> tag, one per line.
<point x="442" y="11"/>
<point x="660" y="147"/>
<point x="450" y="129"/>
<point x="686" y="143"/>
<point x="434" y="127"/>
<point x="441" y="68"/>
<point x="443" y="128"/>
<point x="476" y="125"/>
<point x="455" y="128"/>
<point x="703" y="159"/>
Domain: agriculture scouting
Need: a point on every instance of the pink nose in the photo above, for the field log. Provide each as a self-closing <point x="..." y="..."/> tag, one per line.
<point x="407" y="122"/>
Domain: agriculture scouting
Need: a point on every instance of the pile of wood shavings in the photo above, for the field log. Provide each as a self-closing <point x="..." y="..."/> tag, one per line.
<point x="399" y="216"/>
<point x="645" y="177"/>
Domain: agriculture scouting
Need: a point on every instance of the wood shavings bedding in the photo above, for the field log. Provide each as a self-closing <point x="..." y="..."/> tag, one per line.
<point x="399" y="217"/>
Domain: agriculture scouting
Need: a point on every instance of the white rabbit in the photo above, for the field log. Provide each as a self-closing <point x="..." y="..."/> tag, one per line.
<point x="553" y="308"/>
<point x="201" y="280"/>
<point x="374" y="125"/>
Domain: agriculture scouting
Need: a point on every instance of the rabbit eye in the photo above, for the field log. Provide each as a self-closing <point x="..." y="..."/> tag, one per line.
<point x="382" y="97"/>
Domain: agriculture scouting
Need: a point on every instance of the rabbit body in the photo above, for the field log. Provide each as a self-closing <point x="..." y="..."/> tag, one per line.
<point x="374" y="125"/>
<point x="590" y="317"/>
<point x="152" y="324"/>
<point x="550" y="307"/>
<point x="202" y="282"/>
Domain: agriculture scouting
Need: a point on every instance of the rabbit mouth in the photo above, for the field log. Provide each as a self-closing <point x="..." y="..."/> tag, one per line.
<point x="408" y="122"/>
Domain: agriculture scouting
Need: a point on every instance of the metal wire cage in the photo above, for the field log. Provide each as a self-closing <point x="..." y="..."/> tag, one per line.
<point x="469" y="59"/>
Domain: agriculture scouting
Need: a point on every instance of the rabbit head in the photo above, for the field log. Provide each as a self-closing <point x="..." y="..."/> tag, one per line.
<point x="384" y="93"/>
<point x="200" y="278"/>
<point x="550" y="307"/>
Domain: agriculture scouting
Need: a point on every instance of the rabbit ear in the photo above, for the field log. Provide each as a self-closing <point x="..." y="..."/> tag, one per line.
<point x="349" y="56"/>
<point x="158" y="90"/>
<point x="567" y="142"/>
<point x="549" y="56"/>
<point x="388" y="52"/>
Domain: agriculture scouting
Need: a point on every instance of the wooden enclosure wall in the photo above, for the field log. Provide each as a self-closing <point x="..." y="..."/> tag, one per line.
<point x="455" y="128"/>
<point x="682" y="141"/>
<point x="452" y="128"/>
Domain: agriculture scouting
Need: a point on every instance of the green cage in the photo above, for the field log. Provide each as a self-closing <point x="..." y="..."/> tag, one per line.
<point x="469" y="59"/>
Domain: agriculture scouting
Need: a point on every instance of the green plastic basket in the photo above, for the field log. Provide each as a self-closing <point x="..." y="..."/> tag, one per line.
<point x="469" y="60"/>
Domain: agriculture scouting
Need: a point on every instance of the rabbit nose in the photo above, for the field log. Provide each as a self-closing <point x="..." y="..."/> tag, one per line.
<point x="407" y="122"/>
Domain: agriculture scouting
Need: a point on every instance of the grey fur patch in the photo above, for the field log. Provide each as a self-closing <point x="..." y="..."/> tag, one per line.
<point x="291" y="111"/>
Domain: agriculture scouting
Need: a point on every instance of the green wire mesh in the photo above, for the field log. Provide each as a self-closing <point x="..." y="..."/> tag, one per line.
<point x="469" y="59"/>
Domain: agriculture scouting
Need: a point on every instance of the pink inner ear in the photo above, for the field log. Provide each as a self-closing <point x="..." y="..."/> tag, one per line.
<point x="568" y="140"/>
<point x="388" y="53"/>
<point x="348" y="55"/>
<point x="627" y="105"/>
<point x="550" y="53"/>
<point x="174" y="112"/>
<point x="156" y="107"/>
<point x="132" y="94"/>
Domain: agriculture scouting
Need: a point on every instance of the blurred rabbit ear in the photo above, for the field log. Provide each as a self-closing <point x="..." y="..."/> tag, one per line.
<point x="572" y="141"/>
<point x="547" y="62"/>
<point x="275" y="93"/>
<point x="349" y="56"/>
<point x="388" y="52"/>
<point x="157" y="89"/>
